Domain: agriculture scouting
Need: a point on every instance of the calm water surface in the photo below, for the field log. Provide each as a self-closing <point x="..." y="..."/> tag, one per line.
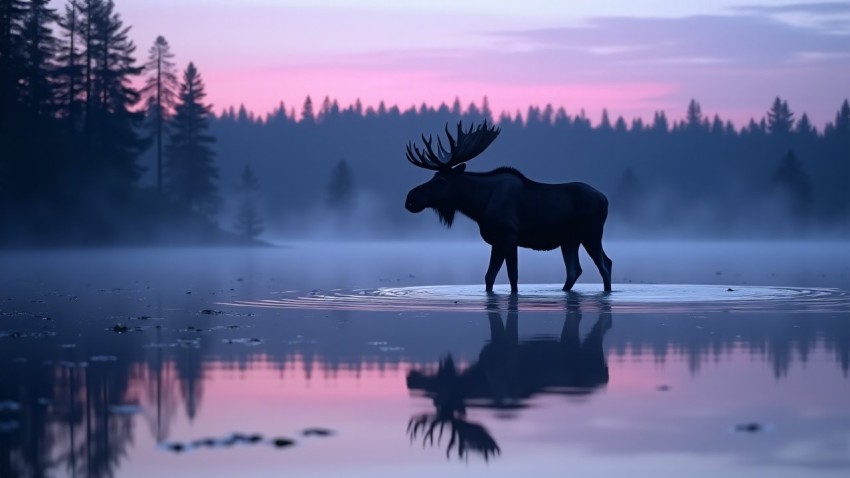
<point x="387" y="359"/>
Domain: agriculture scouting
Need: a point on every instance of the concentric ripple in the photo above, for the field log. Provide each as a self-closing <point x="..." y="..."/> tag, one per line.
<point x="549" y="297"/>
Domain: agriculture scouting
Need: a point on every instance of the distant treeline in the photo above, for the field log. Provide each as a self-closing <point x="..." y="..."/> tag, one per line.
<point x="91" y="153"/>
<point x="777" y="176"/>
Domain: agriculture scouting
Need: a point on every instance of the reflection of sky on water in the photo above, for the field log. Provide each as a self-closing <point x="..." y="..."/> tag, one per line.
<point x="346" y="370"/>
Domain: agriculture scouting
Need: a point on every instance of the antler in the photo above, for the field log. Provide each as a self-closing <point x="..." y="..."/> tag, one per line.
<point x="468" y="145"/>
<point x="464" y="436"/>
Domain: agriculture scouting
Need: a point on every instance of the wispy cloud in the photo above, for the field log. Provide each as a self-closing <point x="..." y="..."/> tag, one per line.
<point x="820" y="8"/>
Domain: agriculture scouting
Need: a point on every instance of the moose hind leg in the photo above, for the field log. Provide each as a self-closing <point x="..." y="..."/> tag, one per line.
<point x="571" y="262"/>
<point x="496" y="259"/>
<point x="603" y="263"/>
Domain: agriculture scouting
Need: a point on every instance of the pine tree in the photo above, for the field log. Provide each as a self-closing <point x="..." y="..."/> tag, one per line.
<point x="160" y="92"/>
<point x="841" y="126"/>
<point x="486" y="112"/>
<point x="456" y="107"/>
<point x="190" y="161"/>
<point x="112" y="119"/>
<point x="605" y="122"/>
<point x="341" y="188"/>
<point x="12" y="14"/>
<point x="804" y="127"/>
<point x="792" y="183"/>
<point x="620" y="125"/>
<point x="780" y="119"/>
<point x="40" y="47"/>
<point x="693" y="119"/>
<point x="70" y="69"/>
<point x="38" y="140"/>
<point x="628" y="194"/>
<point x="307" y="114"/>
<point x="659" y="123"/>
<point x="249" y="223"/>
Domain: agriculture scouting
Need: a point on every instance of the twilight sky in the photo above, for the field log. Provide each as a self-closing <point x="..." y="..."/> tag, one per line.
<point x="733" y="56"/>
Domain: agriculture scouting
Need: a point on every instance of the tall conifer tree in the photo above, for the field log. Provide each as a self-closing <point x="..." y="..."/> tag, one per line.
<point x="160" y="92"/>
<point x="190" y="161"/>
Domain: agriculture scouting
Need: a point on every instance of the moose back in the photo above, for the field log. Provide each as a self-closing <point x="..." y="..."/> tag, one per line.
<point x="511" y="210"/>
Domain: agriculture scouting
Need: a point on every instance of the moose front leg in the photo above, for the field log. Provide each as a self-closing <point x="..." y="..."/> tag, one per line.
<point x="496" y="259"/>
<point x="510" y="251"/>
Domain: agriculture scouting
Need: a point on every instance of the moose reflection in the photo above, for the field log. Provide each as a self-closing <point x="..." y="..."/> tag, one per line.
<point x="511" y="210"/>
<point x="508" y="373"/>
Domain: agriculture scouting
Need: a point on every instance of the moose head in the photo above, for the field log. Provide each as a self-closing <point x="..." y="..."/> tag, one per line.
<point x="440" y="192"/>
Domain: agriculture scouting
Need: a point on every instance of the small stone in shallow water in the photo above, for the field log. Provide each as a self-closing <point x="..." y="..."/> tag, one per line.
<point x="751" y="427"/>
<point x="211" y="312"/>
<point x="317" y="432"/>
<point x="207" y="442"/>
<point x="663" y="388"/>
<point x="730" y="290"/>
<point x="120" y="329"/>
<point x="282" y="442"/>
<point x="175" y="447"/>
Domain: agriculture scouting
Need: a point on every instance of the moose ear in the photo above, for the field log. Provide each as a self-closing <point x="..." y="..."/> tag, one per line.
<point x="459" y="168"/>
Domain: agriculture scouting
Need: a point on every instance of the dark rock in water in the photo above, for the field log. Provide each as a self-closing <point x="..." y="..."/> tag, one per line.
<point x="751" y="427"/>
<point x="730" y="290"/>
<point x="317" y="432"/>
<point x="176" y="447"/>
<point x="211" y="312"/>
<point x="282" y="442"/>
<point x="120" y="329"/>
<point x="255" y="438"/>
<point x="663" y="388"/>
<point x="239" y="279"/>
<point x="207" y="442"/>
<point x="229" y="441"/>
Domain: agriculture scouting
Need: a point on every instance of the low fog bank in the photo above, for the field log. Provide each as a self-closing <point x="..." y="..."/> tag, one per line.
<point x="261" y="273"/>
<point x="656" y="217"/>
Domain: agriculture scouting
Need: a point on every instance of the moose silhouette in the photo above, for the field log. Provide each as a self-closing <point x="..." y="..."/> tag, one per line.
<point x="511" y="210"/>
<point x="508" y="373"/>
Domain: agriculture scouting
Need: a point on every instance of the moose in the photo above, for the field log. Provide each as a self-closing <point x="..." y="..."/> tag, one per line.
<point x="510" y="209"/>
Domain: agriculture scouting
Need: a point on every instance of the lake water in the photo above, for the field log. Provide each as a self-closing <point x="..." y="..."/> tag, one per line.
<point x="388" y="359"/>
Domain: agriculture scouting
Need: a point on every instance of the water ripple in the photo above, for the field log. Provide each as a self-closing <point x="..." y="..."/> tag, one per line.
<point x="638" y="298"/>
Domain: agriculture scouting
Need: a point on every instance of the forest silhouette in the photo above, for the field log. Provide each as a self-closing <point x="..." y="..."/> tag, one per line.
<point x="96" y="148"/>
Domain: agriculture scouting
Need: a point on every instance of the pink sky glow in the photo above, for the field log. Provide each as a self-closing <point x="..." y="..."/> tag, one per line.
<point x="408" y="89"/>
<point x="733" y="56"/>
